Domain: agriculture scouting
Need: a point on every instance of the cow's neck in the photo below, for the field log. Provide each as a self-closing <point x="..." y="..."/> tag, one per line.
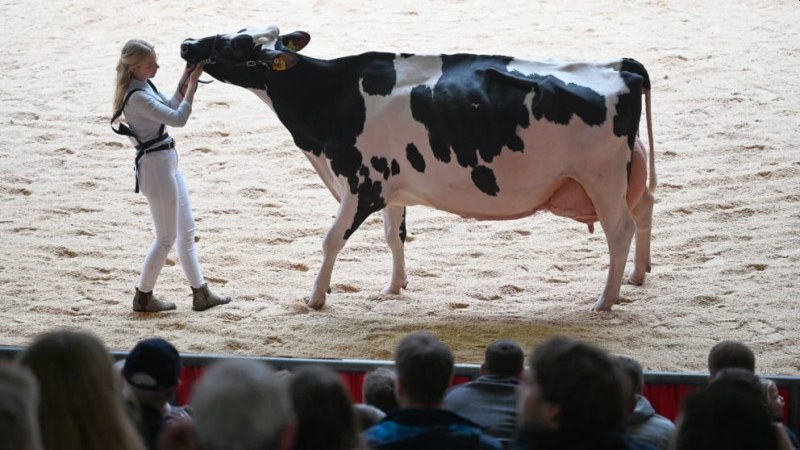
<point x="318" y="102"/>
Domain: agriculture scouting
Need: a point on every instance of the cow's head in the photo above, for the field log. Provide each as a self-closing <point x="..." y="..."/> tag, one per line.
<point x="242" y="58"/>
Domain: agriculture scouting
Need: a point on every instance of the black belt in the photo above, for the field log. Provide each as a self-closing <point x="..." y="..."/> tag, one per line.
<point x="165" y="146"/>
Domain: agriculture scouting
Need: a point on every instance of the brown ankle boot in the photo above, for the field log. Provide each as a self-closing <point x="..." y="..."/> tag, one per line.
<point x="147" y="302"/>
<point x="204" y="298"/>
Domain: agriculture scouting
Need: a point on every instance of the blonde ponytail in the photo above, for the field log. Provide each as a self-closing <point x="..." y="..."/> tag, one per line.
<point x="134" y="52"/>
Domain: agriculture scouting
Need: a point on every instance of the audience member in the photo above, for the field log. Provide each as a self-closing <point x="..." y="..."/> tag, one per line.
<point x="642" y="423"/>
<point x="378" y="389"/>
<point x="730" y="354"/>
<point x="19" y="400"/>
<point x="152" y="371"/>
<point x="81" y="406"/>
<point x="326" y="419"/>
<point x="728" y="415"/>
<point x="424" y="370"/>
<point x="571" y="399"/>
<point x="237" y="404"/>
<point x="491" y="400"/>
<point x="378" y="396"/>
<point x="774" y="401"/>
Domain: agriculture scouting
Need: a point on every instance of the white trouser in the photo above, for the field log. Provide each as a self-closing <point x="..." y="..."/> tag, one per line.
<point x="165" y="188"/>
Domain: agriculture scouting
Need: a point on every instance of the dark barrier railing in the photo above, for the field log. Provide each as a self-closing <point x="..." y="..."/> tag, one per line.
<point x="665" y="390"/>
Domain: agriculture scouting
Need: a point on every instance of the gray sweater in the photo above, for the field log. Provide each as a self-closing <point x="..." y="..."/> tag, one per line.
<point x="643" y="424"/>
<point x="490" y="401"/>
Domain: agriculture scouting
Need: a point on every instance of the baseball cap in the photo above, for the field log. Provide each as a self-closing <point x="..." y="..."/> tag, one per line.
<point x="153" y="364"/>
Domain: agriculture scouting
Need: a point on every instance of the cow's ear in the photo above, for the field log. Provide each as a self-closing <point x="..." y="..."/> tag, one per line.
<point x="278" y="60"/>
<point x="296" y="40"/>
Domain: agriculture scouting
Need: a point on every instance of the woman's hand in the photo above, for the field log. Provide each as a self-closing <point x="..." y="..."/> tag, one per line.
<point x="188" y="84"/>
<point x="194" y="73"/>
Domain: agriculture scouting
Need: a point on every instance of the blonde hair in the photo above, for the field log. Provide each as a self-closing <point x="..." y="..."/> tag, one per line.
<point x="81" y="398"/>
<point x="134" y="52"/>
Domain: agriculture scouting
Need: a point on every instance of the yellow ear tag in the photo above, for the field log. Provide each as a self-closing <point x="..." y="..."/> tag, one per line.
<point x="291" y="46"/>
<point x="278" y="64"/>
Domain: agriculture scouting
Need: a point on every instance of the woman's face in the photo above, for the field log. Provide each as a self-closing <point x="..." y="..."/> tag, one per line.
<point x="147" y="68"/>
<point x="775" y="402"/>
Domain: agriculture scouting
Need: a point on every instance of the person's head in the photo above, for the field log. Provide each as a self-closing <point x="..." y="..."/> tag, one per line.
<point x="741" y="378"/>
<point x="378" y="389"/>
<point x="772" y="398"/>
<point x="727" y="354"/>
<point x="503" y="358"/>
<point x="632" y="380"/>
<point x="243" y="405"/>
<point x="81" y="405"/>
<point x="19" y="401"/>
<point x="424" y="368"/>
<point x="152" y="369"/>
<point x="324" y="410"/>
<point x="727" y="415"/>
<point x="138" y="60"/>
<point x="571" y="386"/>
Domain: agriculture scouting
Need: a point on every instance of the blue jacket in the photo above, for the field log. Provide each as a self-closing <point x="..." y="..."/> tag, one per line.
<point x="427" y="429"/>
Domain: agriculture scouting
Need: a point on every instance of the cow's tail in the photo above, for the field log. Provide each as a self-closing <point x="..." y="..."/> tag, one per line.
<point x="649" y="118"/>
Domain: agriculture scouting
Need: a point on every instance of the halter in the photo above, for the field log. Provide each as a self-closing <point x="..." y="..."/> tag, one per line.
<point x="213" y="59"/>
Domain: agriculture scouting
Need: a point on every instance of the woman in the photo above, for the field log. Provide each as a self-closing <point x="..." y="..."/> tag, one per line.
<point x="326" y="419"/>
<point x="80" y="404"/>
<point x="147" y="112"/>
<point x="774" y="402"/>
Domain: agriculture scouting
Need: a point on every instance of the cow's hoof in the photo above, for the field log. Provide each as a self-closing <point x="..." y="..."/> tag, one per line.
<point x="634" y="278"/>
<point x="633" y="281"/>
<point x="393" y="290"/>
<point x="315" y="303"/>
<point x="601" y="305"/>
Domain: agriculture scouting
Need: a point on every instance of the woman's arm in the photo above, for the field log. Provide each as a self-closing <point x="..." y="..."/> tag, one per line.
<point x="146" y="105"/>
<point x="151" y="108"/>
<point x="189" y="74"/>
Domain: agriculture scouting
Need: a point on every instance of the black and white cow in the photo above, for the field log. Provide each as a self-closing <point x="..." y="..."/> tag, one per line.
<point x="484" y="137"/>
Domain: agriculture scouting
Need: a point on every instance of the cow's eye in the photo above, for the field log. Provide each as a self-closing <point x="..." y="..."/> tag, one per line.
<point x="241" y="42"/>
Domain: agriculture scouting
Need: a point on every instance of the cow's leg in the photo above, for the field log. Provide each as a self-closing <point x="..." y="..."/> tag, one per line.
<point x="331" y="246"/>
<point x="643" y="216"/>
<point x="608" y="198"/>
<point x="394" y="219"/>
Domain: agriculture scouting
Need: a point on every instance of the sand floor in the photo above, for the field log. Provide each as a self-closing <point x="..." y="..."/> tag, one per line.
<point x="726" y="238"/>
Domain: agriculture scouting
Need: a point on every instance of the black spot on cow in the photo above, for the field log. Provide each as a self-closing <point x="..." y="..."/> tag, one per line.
<point x="629" y="108"/>
<point x="629" y="105"/>
<point x="484" y="179"/>
<point x="370" y="199"/>
<point x="381" y="165"/>
<point x="558" y="102"/>
<point x="633" y="66"/>
<point x="406" y="55"/>
<point x="470" y="113"/>
<point x="379" y="77"/>
<point x="403" y="226"/>
<point x="415" y="158"/>
<point x="345" y="161"/>
<point x="395" y="167"/>
<point x="555" y="100"/>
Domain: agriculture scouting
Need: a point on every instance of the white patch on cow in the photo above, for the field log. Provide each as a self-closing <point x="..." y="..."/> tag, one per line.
<point x="416" y="70"/>
<point x="601" y="78"/>
<point x="389" y="126"/>
<point x="266" y="37"/>
<point x="262" y="94"/>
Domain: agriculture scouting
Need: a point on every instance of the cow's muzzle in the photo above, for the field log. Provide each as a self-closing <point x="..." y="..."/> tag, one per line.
<point x="190" y="52"/>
